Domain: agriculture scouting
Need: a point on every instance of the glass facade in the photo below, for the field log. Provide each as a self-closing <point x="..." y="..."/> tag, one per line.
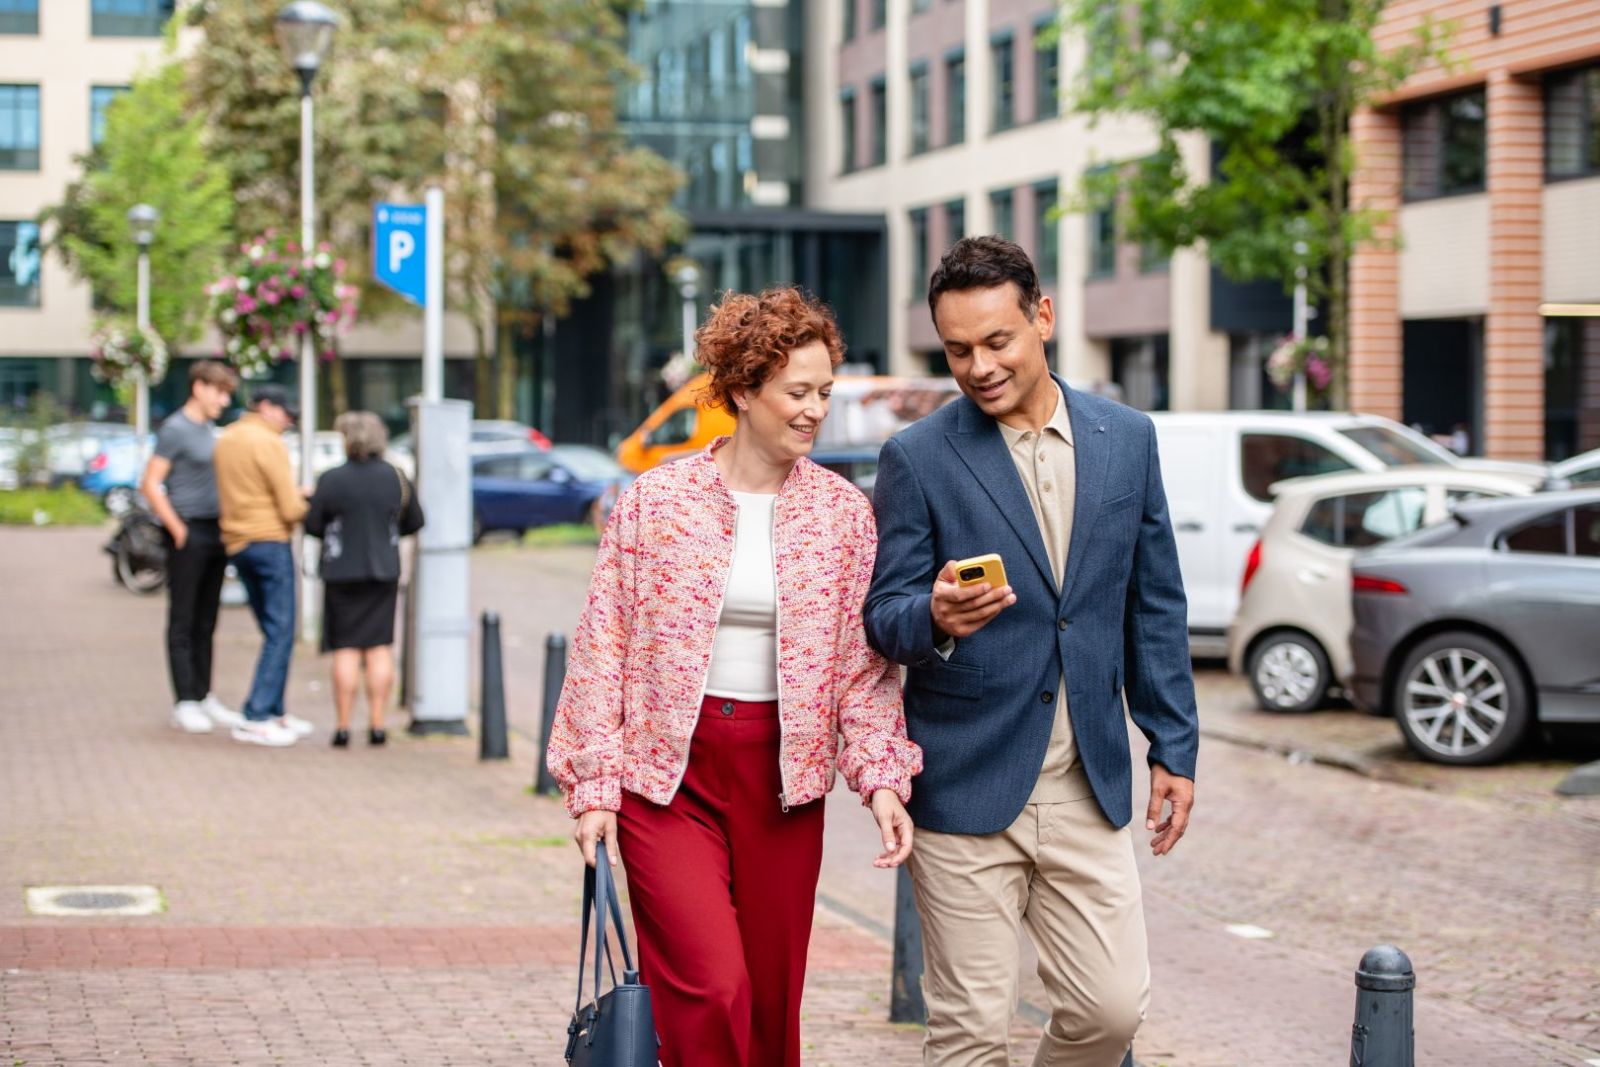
<point x="918" y="218"/>
<point x="19" y="16"/>
<point x="1046" y="72"/>
<point x="1572" y="123"/>
<point x="19" y="127"/>
<point x="129" y="18"/>
<point x="919" y="108"/>
<point x="1002" y="213"/>
<point x="1047" y="230"/>
<point x="19" y="264"/>
<point x="879" y="117"/>
<point x="1445" y="146"/>
<point x="955" y="221"/>
<point x="1002" y="83"/>
<point x="100" y="97"/>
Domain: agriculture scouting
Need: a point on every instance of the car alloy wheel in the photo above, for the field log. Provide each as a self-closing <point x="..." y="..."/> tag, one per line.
<point x="1461" y="699"/>
<point x="1288" y="672"/>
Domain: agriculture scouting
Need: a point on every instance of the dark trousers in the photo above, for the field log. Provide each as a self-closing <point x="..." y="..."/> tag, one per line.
<point x="267" y="570"/>
<point x="194" y="590"/>
<point x="722" y="884"/>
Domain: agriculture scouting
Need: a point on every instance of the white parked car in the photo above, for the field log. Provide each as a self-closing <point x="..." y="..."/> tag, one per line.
<point x="1581" y="470"/>
<point x="1219" y="468"/>
<point x="1291" y="636"/>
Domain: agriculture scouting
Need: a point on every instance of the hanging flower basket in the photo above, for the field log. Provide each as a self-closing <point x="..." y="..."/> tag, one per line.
<point x="272" y="296"/>
<point x="123" y="352"/>
<point x="1308" y="356"/>
<point x="678" y="370"/>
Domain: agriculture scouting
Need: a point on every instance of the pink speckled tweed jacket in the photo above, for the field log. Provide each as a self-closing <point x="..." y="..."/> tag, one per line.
<point x="639" y="661"/>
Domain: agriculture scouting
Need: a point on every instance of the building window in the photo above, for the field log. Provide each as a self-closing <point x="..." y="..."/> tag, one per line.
<point x="880" y="121"/>
<point x="1103" y="241"/>
<point x="1568" y="420"/>
<point x="955" y="221"/>
<point x="19" y="264"/>
<point x="19" y="127"/>
<point x="919" y="108"/>
<point x="880" y="13"/>
<point x="1046" y="230"/>
<point x="19" y="16"/>
<point x="1002" y="83"/>
<point x="100" y="97"/>
<point x="847" y="131"/>
<point x="1002" y="211"/>
<point x="129" y="18"/>
<point x="919" y="252"/>
<point x="919" y="6"/>
<point x="1046" y="72"/>
<point x="1572" y="123"/>
<point x="1445" y="146"/>
<point x="1140" y="366"/>
<point x="850" y="19"/>
<point x="955" y="98"/>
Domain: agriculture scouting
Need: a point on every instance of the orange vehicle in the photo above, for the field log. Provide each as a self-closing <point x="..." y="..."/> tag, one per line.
<point x="865" y="410"/>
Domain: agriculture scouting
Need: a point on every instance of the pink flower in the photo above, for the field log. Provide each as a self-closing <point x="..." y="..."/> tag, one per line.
<point x="333" y="317"/>
<point x="338" y="266"/>
<point x="297" y="291"/>
<point x="327" y="355"/>
<point x="247" y="304"/>
<point x="273" y="297"/>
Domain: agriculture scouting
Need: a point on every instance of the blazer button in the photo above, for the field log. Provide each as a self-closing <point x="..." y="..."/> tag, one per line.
<point x="727" y="707"/>
<point x="1046" y="697"/>
<point x="1061" y="624"/>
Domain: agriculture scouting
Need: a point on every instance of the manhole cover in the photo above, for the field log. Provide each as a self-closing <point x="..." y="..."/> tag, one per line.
<point x="95" y="900"/>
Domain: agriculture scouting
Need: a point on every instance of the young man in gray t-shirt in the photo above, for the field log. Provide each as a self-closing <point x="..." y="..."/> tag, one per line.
<point x="181" y="488"/>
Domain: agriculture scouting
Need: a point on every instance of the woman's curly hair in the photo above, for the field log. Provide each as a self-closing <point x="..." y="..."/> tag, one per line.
<point x="746" y="339"/>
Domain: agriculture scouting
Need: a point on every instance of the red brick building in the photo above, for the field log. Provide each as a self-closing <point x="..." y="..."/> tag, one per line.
<point x="1483" y="317"/>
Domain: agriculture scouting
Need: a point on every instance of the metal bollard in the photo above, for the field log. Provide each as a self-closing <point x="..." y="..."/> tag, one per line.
<point x="905" y="997"/>
<point x="555" y="673"/>
<point x="1382" y="1035"/>
<point x="492" y="740"/>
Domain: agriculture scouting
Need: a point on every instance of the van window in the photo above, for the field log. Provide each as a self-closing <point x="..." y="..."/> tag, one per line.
<point x="1372" y="518"/>
<point x="675" y="429"/>
<point x="1265" y="458"/>
<point x="1546" y="535"/>
<point x="1394" y="448"/>
<point x="1586" y="531"/>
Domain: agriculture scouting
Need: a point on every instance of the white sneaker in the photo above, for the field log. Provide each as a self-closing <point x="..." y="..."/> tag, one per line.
<point x="219" y="712"/>
<point x="190" y="717"/>
<point x="270" y="733"/>
<point x="296" y="725"/>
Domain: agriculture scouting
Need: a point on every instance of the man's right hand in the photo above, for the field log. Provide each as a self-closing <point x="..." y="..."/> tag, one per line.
<point x="961" y="611"/>
<point x="179" y="531"/>
<point x="597" y="826"/>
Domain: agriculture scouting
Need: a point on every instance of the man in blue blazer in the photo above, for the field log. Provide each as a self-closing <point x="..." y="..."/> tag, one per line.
<point x="1016" y="694"/>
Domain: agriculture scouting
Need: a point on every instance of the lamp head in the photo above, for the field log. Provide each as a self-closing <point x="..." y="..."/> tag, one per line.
<point x="142" y="219"/>
<point x="305" y="30"/>
<point x="688" y="278"/>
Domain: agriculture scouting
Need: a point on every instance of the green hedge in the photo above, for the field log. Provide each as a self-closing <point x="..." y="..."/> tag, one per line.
<point x="66" y="506"/>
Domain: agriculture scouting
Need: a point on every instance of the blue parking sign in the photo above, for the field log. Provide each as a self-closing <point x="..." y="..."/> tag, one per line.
<point x="399" y="249"/>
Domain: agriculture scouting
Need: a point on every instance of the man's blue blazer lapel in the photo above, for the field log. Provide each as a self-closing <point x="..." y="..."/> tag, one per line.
<point x="981" y="447"/>
<point x="1092" y="444"/>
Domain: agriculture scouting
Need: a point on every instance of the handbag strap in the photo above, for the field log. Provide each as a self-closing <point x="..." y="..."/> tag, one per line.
<point x="600" y="902"/>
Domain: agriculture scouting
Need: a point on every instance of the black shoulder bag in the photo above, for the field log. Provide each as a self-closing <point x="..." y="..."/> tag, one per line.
<point x="618" y="1029"/>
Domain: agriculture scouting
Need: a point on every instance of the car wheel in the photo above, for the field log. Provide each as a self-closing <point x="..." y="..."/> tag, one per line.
<point x="1288" y="672"/>
<point x="1460" y="698"/>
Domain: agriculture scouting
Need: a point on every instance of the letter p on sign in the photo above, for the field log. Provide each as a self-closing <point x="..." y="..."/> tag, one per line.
<point x="399" y="249"/>
<point x="401" y="245"/>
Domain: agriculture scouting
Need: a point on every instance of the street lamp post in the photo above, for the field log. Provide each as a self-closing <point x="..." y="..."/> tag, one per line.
<point x="1302" y="312"/>
<point x="142" y="219"/>
<point x="688" y="279"/>
<point x="305" y="30"/>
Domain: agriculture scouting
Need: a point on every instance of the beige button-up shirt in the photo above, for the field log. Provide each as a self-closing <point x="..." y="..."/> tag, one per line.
<point x="1047" y="465"/>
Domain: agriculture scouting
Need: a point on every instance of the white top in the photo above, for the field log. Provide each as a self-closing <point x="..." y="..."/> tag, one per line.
<point x="744" y="659"/>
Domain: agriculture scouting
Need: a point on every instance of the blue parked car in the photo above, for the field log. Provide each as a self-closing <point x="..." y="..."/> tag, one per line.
<point x="113" y="473"/>
<point x="523" y="488"/>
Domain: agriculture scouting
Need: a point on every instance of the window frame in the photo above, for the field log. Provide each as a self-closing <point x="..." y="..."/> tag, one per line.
<point x="1041" y="113"/>
<point x="1008" y="197"/>
<point x="919" y="71"/>
<point x="955" y="103"/>
<point x="1002" y="42"/>
<point x="849" y="132"/>
<point x="955" y="208"/>
<point x="20" y="23"/>
<point x="7" y="286"/>
<point x="97" y="115"/>
<point x="1244" y="438"/>
<point x="1588" y="76"/>
<point x="1501" y="542"/>
<point x="878" y="104"/>
<point x="1047" y="233"/>
<point x="848" y="18"/>
<point x="1437" y="189"/>
<point x="19" y="157"/>
<point x="917" y="233"/>
<point x="151" y="23"/>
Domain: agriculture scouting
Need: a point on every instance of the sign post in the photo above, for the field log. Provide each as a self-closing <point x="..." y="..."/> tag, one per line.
<point x="408" y="257"/>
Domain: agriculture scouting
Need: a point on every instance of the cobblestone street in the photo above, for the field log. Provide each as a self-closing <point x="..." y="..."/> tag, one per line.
<point x="413" y="906"/>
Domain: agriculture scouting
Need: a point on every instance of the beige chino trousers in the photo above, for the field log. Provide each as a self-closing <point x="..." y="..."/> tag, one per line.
<point x="1068" y="877"/>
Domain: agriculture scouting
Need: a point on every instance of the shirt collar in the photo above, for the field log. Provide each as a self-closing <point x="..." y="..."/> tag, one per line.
<point x="1060" y="422"/>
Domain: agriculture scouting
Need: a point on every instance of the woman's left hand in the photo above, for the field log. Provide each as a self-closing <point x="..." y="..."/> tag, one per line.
<point x="895" y="825"/>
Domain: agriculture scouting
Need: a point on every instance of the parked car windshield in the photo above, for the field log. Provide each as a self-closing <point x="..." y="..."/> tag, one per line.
<point x="1396" y="449"/>
<point x="591" y="465"/>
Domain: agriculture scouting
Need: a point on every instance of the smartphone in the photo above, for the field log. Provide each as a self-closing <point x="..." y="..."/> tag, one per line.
<point x="981" y="569"/>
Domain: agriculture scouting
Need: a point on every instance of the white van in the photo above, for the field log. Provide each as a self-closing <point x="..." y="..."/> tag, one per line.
<point x="1219" y="466"/>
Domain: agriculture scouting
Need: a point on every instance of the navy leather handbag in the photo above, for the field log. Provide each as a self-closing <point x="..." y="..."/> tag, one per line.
<point x="617" y="1029"/>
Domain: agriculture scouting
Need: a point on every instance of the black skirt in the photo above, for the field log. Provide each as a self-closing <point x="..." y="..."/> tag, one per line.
<point x="358" y="614"/>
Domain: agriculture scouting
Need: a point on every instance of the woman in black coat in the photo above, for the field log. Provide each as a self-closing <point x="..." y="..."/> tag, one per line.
<point x="360" y="511"/>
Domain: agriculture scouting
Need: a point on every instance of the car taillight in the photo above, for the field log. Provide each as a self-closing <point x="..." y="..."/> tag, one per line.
<point x="98" y="463"/>
<point x="1252" y="564"/>
<point x="1366" y="583"/>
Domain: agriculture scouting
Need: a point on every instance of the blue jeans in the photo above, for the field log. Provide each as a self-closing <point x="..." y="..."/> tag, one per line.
<point x="267" y="570"/>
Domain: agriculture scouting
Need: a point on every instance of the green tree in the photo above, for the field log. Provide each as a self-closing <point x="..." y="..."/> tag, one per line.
<point x="1271" y="84"/>
<point x="153" y="152"/>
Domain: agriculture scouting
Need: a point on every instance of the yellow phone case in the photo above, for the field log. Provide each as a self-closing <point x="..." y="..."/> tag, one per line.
<point x="989" y="569"/>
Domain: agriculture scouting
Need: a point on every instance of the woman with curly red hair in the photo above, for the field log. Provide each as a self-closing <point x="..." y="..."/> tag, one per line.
<point x="719" y="660"/>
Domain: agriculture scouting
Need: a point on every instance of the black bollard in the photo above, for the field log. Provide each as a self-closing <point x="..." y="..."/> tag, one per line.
<point x="905" y="997"/>
<point x="492" y="740"/>
<point x="1383" y="1035"/>
<point x="555" y="674"/>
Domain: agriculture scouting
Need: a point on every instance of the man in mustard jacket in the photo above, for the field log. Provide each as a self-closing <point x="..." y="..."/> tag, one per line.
<point x="261" y="506"/>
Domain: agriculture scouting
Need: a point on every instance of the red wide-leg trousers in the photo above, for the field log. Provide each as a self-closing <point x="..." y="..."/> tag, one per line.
<point x="722" y="883"/>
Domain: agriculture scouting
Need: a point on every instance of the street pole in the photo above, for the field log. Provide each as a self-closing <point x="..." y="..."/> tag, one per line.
<point x="1301" y="314"/>
<point x="688" y="278"/>
<point x="433" y="309"/>
<point x="141" y="403"/>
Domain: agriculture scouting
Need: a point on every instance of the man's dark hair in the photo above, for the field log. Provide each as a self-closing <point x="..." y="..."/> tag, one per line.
<point x="213" y="373"/>
<point x="985" y="263"/>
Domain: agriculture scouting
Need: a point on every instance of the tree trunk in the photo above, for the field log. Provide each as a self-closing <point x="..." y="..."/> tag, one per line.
<point x="505" y="352"/>
<point x="483" y="382"/>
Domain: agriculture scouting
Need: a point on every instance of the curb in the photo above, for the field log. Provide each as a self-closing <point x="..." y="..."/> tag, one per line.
<point x="1329" y="756"/>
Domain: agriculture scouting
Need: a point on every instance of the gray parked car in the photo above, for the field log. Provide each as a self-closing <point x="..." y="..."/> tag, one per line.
<point x="1471" y="630"/>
